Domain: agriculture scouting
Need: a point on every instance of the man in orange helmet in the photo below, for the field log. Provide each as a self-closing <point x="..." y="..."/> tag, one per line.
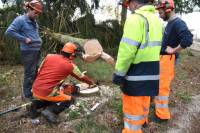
<point x="24" y="28"/>
<point x="54" y="69"/>
<point x="175" y="38"/>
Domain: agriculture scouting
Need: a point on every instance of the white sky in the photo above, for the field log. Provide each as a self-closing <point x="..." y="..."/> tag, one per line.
<point x="0" y="4"/>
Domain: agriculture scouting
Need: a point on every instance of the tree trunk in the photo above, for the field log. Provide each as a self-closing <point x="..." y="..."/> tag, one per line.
<point x="90" y="58"/>
<point x="123" y="15"/>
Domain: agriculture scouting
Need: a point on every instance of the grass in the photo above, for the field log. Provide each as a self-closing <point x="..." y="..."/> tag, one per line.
<point x="89" y="125"/>
<point x="97" y="70"/>
<point x="101" y="121"/>
<point x="116" y="105"/>
<point x="75" y="112"/>
<point x="184" y="96"/>
<point x="5" y="78"/>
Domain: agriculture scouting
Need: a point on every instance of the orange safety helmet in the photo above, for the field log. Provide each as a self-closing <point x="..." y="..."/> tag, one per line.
<point x="35" y="5"/>
<point x="69" y="48"/>
<point x="127" y="2"/>
<point x="167" y="5"/>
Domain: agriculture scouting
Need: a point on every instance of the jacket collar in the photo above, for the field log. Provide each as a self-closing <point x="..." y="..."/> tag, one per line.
<point x="149" y="8"/>
<point x="172" y="18"/>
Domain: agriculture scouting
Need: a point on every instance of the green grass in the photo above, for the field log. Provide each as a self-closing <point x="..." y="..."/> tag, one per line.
<point x="98" y="70"/>
<point x="89" y="125"/>
<point x="6" y="78"/>
<point x="116" y="105"/>
<point x="184" y="96"/>
<point x="73" y="115"/>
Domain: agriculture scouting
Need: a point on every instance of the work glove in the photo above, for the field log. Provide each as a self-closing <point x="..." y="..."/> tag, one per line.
<point x="93" y="85"/>
<point x="118" y="80"/>
<point x="73" y="100"/>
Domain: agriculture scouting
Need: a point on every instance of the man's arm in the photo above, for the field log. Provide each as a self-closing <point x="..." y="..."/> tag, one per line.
<point x="129" y="43"/>
<point x="14" y="30"/>
<point x="185" y="37"/>
<point x="76" y="73"/>
<point x="171" y="50"/>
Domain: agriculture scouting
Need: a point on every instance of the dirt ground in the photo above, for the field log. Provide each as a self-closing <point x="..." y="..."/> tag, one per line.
<point x="184" y="96"/>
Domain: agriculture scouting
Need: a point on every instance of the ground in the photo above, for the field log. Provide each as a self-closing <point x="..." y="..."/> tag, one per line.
<point x="107" y="118"/>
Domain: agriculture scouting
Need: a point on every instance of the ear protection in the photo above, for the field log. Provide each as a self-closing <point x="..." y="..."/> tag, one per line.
<point x="167" y="7"/>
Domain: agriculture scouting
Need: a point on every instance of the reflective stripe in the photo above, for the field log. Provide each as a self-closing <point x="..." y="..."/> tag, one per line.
<point x="134" y="117"/>
<point x="120" y="73"/>
<point x="158" y="105"/>
<point x="162" y="98"/>
<point x="132" y="127"/>
<point x="77" y="72"/>
<point x="151" y="44"/>
<point x="135" y="43"/>
<point x="142" y="78"/>
<point x="129" y="41"/>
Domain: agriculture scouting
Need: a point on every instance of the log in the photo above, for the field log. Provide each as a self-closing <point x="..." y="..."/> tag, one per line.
<point x="92" y="47"/>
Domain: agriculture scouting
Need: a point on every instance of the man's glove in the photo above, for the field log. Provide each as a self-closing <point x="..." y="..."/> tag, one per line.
<point x="118" y="80"/>
<point x="93" y="85"/>
<point x="73" y="100"/>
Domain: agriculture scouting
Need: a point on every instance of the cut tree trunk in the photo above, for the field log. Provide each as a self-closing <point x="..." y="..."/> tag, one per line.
<point x="93" y="49"/>
<point x="105" y="74"/>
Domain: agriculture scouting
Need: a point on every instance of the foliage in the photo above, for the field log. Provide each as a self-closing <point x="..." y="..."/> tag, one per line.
<point x="186" y="6"/>
<point x="63" y="16"/>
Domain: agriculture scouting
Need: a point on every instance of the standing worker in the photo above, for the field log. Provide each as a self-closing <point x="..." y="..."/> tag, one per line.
<point x="54" y="69"/>
<point x="137" y="66"/>
<point x="24" y="28"/>
<point x="175" y="38"/>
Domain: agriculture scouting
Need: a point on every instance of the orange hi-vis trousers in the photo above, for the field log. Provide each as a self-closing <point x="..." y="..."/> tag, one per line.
<point x="58" y="95"/>
<point x="166" y="76"/>
<point x="136" y="110"/>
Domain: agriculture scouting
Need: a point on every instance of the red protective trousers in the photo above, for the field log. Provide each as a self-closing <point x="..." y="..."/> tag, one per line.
<point x="58" y="95"/>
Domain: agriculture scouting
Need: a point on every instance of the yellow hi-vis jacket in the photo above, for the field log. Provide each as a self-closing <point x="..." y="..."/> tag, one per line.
<point x="137" y="66"/>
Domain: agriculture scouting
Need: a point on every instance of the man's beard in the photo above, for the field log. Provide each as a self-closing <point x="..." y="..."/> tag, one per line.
<point x="166" y="17"/>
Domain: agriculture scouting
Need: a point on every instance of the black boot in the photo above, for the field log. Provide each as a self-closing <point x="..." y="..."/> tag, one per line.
<point x="32" y="111"/>
<point x="35" y="106"/>
<point x="50" y="116"/>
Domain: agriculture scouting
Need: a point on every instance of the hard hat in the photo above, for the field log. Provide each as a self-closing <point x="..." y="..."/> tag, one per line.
<point x="69" y="48"/>
<point x="167" y="5"/>
<point x="35" y="5"/>
<point x="127" y="2"/>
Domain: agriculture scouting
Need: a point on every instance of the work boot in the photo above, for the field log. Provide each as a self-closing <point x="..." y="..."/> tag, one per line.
<point x="50" y="116"/>
<point x="145" y="125"/>
<point x="31" y="111"/>
<point x="158" y="120"/>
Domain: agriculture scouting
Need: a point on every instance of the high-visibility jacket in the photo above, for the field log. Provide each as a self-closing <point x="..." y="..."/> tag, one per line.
<point x="137" y="66"/>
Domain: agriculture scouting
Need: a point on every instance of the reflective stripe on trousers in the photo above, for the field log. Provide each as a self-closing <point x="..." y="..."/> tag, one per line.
<point x="166" y="76"/>
<point x="135" y="109"/>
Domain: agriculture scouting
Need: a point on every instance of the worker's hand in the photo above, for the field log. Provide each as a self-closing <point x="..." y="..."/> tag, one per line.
<point x="73" y="100"/>
<point x="92" y="86"/>
<point x="84" y="72"/>
<point x="170" y="50"/>
<point x="28" y="41"/>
